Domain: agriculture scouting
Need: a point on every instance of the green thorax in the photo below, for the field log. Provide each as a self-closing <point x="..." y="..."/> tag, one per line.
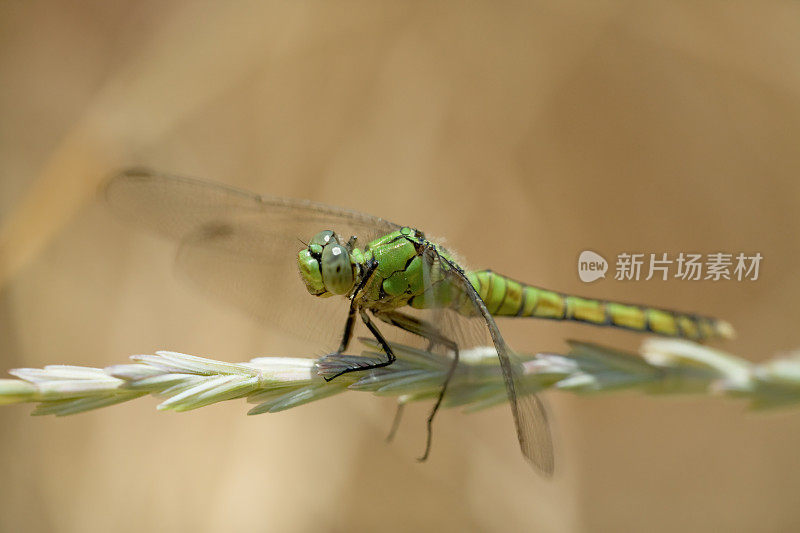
<point x="402" y="277"/>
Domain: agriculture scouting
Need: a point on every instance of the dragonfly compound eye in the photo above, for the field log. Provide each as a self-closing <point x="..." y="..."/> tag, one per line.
<point x="322" y="238"/>
<point x="337" y="272"/>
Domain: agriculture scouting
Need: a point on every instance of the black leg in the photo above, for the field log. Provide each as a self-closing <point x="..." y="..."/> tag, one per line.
<point x="433" y="335"/>
<point x="418" y="327"/>
<point x="347" y="335"/>
<point x="390" y="357"/>
<point x="438" y="404"/>
<point x="348" y="328"/>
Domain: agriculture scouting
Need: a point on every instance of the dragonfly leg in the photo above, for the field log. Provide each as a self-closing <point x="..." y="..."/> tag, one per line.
<point x="346" y="336"/>
<point x="430" y="332"/>
<point x="348" y="328"/>
<point x="442" y="391"/>
<point x="421" y="328"/>
<point x="390" y="357"/>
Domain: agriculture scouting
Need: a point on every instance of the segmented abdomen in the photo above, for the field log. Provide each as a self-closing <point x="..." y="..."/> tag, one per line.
<point x="506" y="297"/>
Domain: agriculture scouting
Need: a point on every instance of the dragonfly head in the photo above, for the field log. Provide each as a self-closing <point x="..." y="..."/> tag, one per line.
<point x="326" y="267"/>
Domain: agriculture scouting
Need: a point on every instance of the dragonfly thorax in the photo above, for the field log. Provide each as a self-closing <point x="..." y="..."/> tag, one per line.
<point x="327" y="266"/>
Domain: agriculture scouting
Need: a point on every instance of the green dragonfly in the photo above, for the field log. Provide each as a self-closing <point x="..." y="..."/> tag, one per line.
<point x="243" y="248"/>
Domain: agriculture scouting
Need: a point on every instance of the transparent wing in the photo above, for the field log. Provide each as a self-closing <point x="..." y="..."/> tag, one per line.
<point x="477" y="328"/>
<point x="242" y="248"/>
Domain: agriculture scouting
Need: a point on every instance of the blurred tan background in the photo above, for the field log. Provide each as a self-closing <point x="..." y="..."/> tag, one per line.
<point x="525" y="133"/>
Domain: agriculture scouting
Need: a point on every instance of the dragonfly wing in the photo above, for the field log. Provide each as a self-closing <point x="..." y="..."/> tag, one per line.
<point x="177" y="207"/>
<point x="480" y="329"/>
<point x="264" y="285"/>
<point x="242" y="248"/>
<point x="533" y="429"/>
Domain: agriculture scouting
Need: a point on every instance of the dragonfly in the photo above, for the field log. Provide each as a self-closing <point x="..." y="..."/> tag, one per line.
<point x="315" y="271"/>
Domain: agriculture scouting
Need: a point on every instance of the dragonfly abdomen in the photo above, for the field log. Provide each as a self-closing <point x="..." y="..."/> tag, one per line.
<point x="506" y="297"/>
